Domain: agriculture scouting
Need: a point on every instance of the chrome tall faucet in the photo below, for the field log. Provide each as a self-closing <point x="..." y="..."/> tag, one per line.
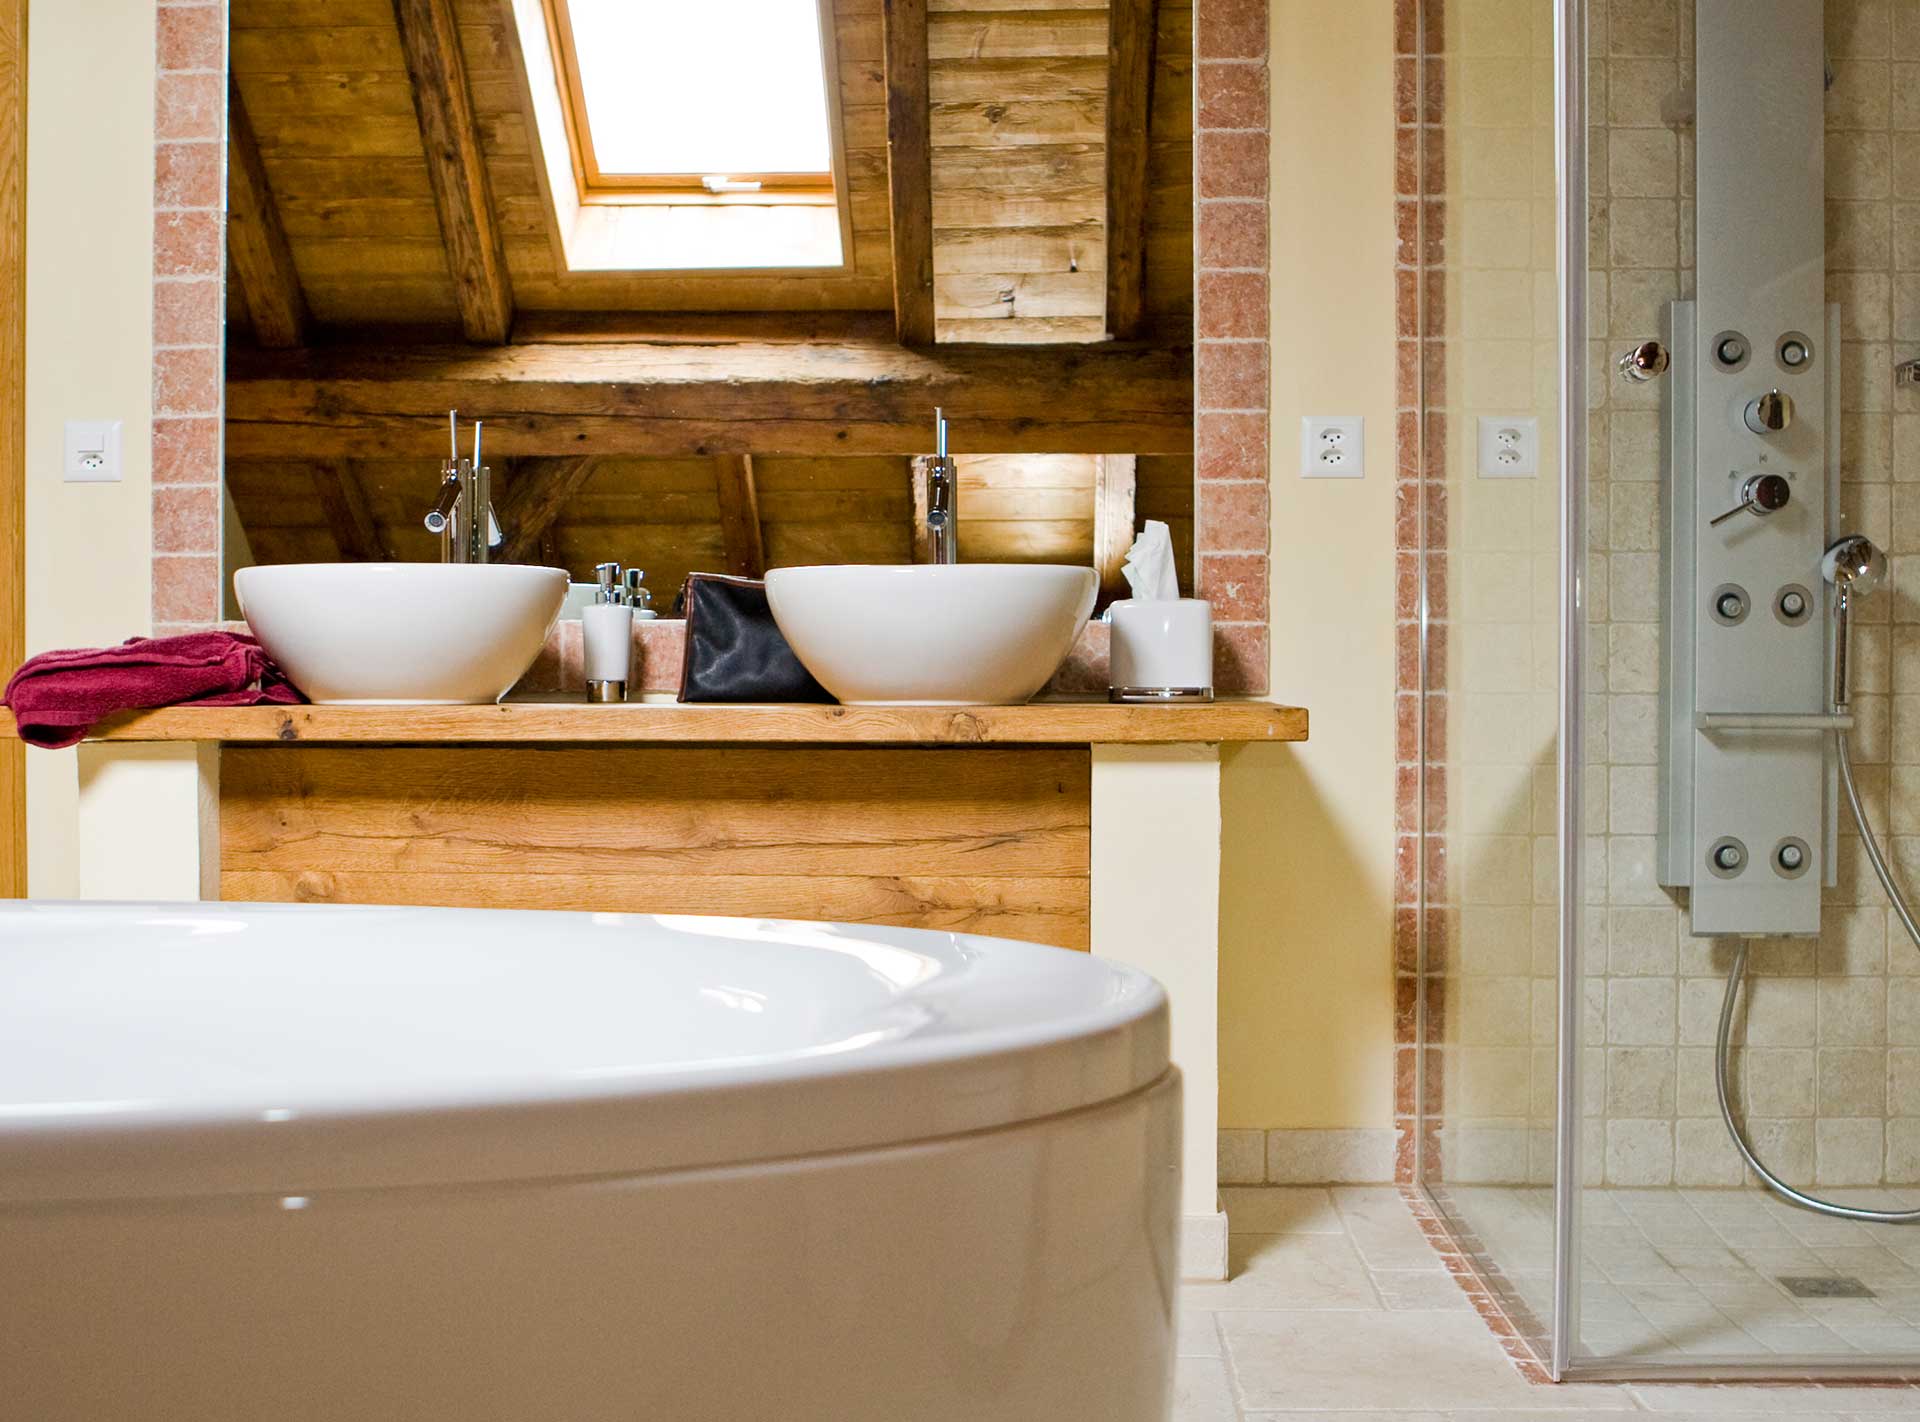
<point x="463" y="514"/>
<point x="943" y="497"/>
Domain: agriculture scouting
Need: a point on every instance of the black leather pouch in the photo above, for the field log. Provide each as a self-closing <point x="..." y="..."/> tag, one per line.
<point x="734" y="648"/>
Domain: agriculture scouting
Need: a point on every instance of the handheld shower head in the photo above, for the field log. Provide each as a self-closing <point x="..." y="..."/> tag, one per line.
<point x="1854" y="566"/>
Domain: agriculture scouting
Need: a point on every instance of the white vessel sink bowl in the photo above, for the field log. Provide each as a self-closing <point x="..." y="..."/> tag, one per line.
<point x="965" y="634"/>
<point x="401" y="634"/>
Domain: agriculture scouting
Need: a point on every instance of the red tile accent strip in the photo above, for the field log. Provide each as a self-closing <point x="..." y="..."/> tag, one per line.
<point x="1422" y="919"/>
<point x="1232" y="306"/>
<point x="189" y="266"/>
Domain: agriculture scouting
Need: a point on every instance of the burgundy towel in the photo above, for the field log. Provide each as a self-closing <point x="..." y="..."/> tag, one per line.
<point x="57" y="697"/>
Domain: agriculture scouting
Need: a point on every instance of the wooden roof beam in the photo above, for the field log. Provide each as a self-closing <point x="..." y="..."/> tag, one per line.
<point x="256" y="242"/>
<point x="539" y="493"/>
<point x="343" y="498"/>
<point x="457" y="169"/>
<point x="1115" y="480"/>
<point x="378" y="402"/>
<point x="910" y="169"/>
<point x="740" y="534"/>
<point x="1130" y="42"/>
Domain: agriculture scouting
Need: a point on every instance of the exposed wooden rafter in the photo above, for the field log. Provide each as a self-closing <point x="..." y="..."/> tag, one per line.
<point x="344" y="501"/>
<point x="1130" y="37"/>
<point x="256" y="242"/>
<point x="379" y="402"/>
<point x="910" y="169"/>
<point x="539" y="492"/>
<point x="1115" y="479"/>
<point x="457" y="168"/>
<point x="739" y="515"/>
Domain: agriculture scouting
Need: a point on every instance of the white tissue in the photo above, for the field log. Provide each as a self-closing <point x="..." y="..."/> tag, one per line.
<point x="1149" y="565"/>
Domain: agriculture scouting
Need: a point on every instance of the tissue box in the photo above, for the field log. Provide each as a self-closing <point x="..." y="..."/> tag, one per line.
<point x="1161" y="651"/>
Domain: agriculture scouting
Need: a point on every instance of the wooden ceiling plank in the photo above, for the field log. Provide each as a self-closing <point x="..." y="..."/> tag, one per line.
<point x="539" y="494"/>
<point x="740" y="515"/>
<point x="457" y="168"/>
<point x="256" y="242"/>
<point x="343" y="498"/>
<point x="1130" y="37"/>
<point x="910" y="169"/>
<point x="1115" y="479"/>
<point x="378" y="402"/>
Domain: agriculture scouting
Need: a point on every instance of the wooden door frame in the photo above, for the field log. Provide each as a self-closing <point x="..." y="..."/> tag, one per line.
<point x="13" y="425"/>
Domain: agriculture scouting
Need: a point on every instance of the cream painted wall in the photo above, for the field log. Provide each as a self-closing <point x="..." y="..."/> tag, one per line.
<point x="90" y="96"/>
<point x="1306" y="989"/>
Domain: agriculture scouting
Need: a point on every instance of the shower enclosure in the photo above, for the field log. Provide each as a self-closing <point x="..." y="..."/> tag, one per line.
<point x="1666" y="300"/>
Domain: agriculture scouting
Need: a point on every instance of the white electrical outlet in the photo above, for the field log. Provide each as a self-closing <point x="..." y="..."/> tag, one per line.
<point x="92" y="452"/>
<point x="1332" y="447"/>
<point x="1509" y="447"/>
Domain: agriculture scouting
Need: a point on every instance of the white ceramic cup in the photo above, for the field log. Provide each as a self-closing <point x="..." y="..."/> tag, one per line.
<point x="1162" y="647"/>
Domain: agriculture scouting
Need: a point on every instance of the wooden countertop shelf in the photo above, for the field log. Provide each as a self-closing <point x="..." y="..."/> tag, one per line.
<point x="1045" y="723"/>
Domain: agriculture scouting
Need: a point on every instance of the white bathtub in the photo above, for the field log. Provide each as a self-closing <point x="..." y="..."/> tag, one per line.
<point x="290" y="1163"/>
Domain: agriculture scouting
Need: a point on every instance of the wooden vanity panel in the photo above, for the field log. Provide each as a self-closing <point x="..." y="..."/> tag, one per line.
<point x="986" y="840"/>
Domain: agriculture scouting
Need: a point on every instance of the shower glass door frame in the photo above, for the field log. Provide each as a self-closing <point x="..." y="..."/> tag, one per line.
<point x="1570" y="165"/>
<point x="1575" y="357"/>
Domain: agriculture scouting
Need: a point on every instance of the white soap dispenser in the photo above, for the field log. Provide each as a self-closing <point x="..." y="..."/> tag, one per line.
<point x="607" y="629"/>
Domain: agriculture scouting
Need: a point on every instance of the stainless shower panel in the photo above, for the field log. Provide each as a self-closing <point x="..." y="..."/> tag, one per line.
<point x="1749" y="499"/>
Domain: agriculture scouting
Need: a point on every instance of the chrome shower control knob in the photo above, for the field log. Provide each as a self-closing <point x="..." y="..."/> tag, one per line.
<point x="1761" y="494"/>
<point x="1646" y="361"/>
<point x="1726" y="857"/>
<point x="1792" y="858"/>
<point x="1769" y="413"/>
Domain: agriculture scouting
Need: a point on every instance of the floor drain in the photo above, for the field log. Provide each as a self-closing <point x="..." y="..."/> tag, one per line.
<point x="1824" y="1286"/>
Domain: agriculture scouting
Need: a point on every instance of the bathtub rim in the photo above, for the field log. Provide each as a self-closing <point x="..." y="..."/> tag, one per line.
<point x="891" y="1093"/>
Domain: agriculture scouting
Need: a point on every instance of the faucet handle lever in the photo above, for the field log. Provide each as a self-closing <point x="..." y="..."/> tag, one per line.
<point x="1763" y="494"/>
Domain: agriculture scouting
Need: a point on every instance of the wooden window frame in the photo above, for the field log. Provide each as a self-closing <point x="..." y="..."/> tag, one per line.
<point x="596" y="186"/>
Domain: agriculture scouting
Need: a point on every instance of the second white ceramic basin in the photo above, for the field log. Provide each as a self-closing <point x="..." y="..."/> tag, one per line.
<point x="402" y="634"/>
<point x="964" y="634"/>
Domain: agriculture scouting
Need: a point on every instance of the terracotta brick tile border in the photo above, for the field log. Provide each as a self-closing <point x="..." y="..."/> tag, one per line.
<point x="1231" y="318"/>
<point x="1232" y="330"/>
<point x="189" y="265"/>
<point x="1422" y="920"/>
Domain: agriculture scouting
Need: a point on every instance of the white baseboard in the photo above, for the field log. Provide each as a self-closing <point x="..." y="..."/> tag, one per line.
<point x="1203" y="1248"/>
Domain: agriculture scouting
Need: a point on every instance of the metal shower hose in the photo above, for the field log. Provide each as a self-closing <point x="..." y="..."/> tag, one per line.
<point x="1737" y="975"/>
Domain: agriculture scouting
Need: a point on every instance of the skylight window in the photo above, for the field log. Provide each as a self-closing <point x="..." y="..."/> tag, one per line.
<point x="716" y="96"/>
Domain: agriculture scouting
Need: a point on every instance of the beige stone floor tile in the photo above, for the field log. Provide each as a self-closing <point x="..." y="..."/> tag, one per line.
<point x="1795" y="1402"/>
<point x="1532" y="1416"/>
<point x="1281" y="1209"/>
<point x="1383" y="1229"/>
<point x="1419" y="1289"/>
<point x="1196" y="1335"/>
<point x="1289" y="1271"/>
<point x="1203" y="1391"/>
<point x="1354" y="1361"/>
<point x="1297" y="1416"/>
